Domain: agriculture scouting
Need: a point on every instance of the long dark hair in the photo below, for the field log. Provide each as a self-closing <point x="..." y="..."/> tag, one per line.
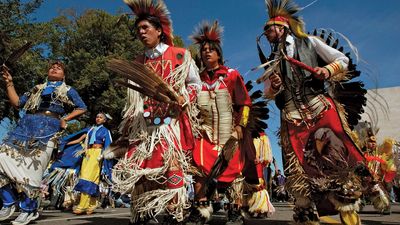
<point x="214" y="46"/>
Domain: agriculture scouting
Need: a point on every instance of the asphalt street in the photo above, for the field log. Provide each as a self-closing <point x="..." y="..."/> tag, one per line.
<point x="283" y="215"/>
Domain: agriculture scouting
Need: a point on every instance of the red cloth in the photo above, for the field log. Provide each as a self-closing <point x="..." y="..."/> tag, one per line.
<point x="204" y="158"/>
<point x="299" y="135"/>
<point x="175" y="179"/>
<point x="389" y="176"/>
<point x="187" y="138"/>
<point x="156" y="159"/>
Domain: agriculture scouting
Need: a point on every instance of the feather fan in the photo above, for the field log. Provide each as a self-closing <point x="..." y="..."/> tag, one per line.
<point x="150" y="83"/>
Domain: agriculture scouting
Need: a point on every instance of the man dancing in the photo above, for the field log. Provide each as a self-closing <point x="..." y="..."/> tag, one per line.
<point x="322" y="162"/>
<point x="160" y="134"/>
<point x="225" y="105"/>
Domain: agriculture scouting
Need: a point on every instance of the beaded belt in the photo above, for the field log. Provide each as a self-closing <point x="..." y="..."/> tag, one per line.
<point x="49" y="113"/>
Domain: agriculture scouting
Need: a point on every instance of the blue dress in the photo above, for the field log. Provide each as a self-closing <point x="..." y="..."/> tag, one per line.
<point x="26" y="150"/>
<point x="93" y="170"/>
<point x="61" y="176"/>
<point x="34" y="130"/>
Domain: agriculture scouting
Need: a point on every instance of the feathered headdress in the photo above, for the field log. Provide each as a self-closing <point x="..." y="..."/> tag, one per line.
<point x="282" y="12"/>
<point x="209" y="33"/>
<point x="153" y="8"/>
<point x="206" y="32"/>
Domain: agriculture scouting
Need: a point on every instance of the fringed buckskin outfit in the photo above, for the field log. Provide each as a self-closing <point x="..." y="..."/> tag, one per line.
<point x="26" y="151"/>
<point x="160" y="135"/>
<point x="322" y="163"/>
<point x="155" y="167"/>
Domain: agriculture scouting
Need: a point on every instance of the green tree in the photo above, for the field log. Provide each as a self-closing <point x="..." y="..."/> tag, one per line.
<point x="16" y="29"/>
<point x="85" y="43"/>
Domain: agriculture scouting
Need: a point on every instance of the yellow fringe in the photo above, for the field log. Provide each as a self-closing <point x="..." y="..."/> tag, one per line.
<point x="259" y="203"/>
<point x="263" y="149"/>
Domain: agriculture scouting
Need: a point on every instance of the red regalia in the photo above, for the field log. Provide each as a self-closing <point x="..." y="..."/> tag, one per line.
<point x="224" y="97"/>
<point x="154" y="168"/>
<point x="324" y="167"/>
<point x="153" y="110"/>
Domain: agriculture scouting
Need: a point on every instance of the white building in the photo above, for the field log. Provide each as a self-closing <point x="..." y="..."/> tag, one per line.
<point x="383" y="110"/>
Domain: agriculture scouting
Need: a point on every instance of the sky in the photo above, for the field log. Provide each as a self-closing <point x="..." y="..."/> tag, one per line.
<point x="370" y="25"/>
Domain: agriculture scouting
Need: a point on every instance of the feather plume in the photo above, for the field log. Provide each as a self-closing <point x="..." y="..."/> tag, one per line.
<point x="150" y="84"/>
<point x="287" y="9"/>
<point x="155" y="95"/>
<point x="144" y="8"/>
<point x="206" y="32"/>
<point x="272" y="66"/>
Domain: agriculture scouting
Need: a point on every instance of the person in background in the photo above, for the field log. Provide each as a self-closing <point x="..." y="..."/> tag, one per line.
<point x="93" y="169"/>
<point x="279" y="181"/>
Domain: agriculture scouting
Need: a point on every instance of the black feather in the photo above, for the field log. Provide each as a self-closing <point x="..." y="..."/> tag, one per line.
<point x="258" y="112"/>
<point x="322" y="35"/>
<point x="249" y="86"/>
<point x="328" y="40"/>
<point x="315" y="32"/>
<point x="335" y="44"/>
<point x="256" y="94"/>
<point x="348" y="92"/>
<point x="260" y="104"/>
<point x="17" y="54"/>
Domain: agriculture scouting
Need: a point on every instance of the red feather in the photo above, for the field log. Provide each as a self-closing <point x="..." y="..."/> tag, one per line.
<point x="374" y="158"/>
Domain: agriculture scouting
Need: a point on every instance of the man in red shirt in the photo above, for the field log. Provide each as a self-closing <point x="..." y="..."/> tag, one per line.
<point x="224" y="104"/>
<point x="160" y="134"/>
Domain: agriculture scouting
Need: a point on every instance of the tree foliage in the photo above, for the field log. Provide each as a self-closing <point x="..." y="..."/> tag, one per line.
<point x="84" y="42"/>
<point x="15" y="30"/>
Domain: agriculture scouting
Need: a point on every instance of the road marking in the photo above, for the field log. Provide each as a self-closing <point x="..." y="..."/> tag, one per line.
<point x="330" y="220"/>
<point x="76" y="217"/>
